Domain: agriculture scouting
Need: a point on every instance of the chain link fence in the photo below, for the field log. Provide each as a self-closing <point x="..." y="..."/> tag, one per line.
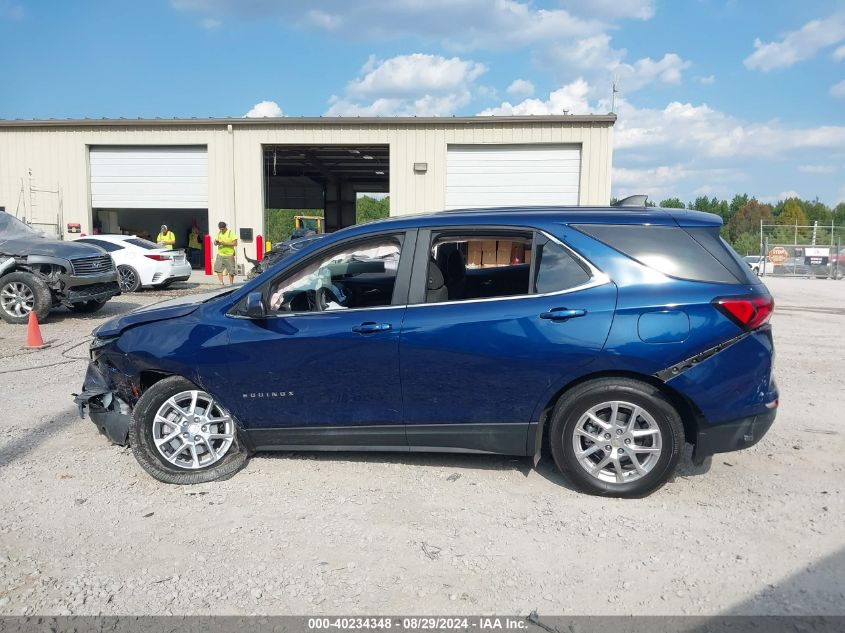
<point x="805" y="255"/>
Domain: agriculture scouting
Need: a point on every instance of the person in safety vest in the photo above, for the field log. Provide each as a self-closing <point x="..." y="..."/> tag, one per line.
<point x="225" y="261"/>
<point x="165" y="238"/>
<point x="194" y="247"/>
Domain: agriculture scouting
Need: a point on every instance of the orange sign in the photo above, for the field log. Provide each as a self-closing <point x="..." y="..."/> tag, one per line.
<point x="778" y="255"/>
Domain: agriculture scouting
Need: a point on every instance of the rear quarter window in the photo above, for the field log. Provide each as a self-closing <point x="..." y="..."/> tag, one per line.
<point x="674" y="251"/>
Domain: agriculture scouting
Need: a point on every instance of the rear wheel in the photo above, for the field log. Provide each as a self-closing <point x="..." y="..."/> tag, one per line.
<point x="22" y="293"/>
<point x="616" y="437"/>
<point x="181" y="435"/>
<point x="128" y="278"/>
<point x="88" y="307"/>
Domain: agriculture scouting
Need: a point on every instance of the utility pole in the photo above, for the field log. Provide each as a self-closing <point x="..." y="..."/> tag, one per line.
<point x="613" y="90"/>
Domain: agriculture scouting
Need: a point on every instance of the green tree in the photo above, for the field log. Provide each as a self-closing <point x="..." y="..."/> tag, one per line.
<point x="671" y="203"/>
<point x="739" y="201"/>
<point x="747" y="220"/>
<point x="747" y="244"/>
<point x="792" y="213"/>
<point x="369" y="209"/>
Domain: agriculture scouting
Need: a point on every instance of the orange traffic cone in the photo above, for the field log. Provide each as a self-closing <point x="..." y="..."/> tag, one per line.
<point x="33" y="334"/>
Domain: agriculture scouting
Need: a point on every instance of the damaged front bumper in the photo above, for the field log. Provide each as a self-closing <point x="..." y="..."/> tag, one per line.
<point x="111" y="413"/>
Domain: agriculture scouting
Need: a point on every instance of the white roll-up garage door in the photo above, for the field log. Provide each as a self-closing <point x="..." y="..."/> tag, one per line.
<point x="512" y="175"/>
<point x="149" y="177"/>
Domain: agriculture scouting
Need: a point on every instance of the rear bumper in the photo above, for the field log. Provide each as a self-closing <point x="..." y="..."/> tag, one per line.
<point x="732" y="436"/>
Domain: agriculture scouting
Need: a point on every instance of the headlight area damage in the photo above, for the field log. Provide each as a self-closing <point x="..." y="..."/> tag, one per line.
<point x="107" y="395"/>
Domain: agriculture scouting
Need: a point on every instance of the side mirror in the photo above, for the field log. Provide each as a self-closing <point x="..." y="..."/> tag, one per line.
<point x="255" y="306"/>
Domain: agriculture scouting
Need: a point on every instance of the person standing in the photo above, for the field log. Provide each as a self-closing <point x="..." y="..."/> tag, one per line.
<point x="225" y="261"/>
<point x="194" y="247"/>
<point x="165" y="238"/>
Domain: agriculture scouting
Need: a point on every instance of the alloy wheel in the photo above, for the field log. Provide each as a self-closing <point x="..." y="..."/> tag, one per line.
<point x="17" y="299"/>
<point x="617" y="442"/>
<point x="128" y="278"/>
<point x="191" y="431"/>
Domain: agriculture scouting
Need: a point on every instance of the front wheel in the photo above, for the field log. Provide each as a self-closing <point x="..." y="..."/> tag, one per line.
<point x="181" y="435"/>
<point x="128" y="278"/>
<point x="21" y="293"/>
<point x="616" y="437"/>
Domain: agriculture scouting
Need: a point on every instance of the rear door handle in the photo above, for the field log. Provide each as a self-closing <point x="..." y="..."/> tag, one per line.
<point x="562" y="314"/>
<point x="370" y="327"/>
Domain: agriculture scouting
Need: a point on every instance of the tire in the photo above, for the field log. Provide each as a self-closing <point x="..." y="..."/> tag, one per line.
<point x="88" y="307"/>
<point x="661" y="450"/>
<point x="128" y="278"/>
<point x="185" y="466"/>
<point x="21" y="293"/>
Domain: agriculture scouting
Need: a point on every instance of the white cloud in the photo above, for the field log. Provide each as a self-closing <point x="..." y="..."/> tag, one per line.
<point x="838" y="90"/>
<point x="613" y="9"/>
<point x="839" y="53"/>
<point x="797" y="45"/>
<point x="571" y="98"/>
<point x="210" y="24"/>
<point x="817" y="169"/>
<point x="520" y="88"/>
<point x="265" y="109"/>
<point x="458" y="24"/>
<point x="407" y="85"/>
<point x="708" y="80"/>
<point x="572" y="37"/>
<point x="415" y="74"/>
<point x="786" y="195"/>
<point x="594" y="58"/>
<point x="645" y="71"/>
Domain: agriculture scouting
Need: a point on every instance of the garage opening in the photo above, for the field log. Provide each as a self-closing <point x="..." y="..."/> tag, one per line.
<point x="321" y="188"/>
<point x="135" y="189"/>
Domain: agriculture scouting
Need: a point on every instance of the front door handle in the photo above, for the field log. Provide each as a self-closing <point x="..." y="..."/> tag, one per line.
<point x="370" y="327"/>
<point x="562" y="314"/>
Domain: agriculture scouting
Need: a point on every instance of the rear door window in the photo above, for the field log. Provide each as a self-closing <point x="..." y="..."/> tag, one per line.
<point x="555" y="268"/>
<point x="475" y="263"/>
<point x="469" y="265"/>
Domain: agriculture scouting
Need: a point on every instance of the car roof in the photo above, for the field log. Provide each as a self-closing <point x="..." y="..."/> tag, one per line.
<point x="110" y="238"/>
<point x="547" y="215"/>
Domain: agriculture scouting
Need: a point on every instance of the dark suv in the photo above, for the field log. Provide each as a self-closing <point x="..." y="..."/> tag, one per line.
<point x="38" y="273"/>
<point x="612" y="335"/>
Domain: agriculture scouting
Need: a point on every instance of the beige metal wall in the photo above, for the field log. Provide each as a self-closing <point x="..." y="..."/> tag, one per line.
<point x="58" y="159"/>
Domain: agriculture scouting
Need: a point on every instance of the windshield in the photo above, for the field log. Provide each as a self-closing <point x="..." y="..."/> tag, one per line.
<point x="11" y="227"/>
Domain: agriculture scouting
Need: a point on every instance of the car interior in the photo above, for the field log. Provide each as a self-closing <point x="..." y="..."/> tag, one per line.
<point x="479" y="266"/>
<point x="362" y="276"/>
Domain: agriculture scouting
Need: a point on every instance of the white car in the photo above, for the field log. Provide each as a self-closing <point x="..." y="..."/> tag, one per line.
<point x="755" y="262"/>
<point x="140" y="262"/>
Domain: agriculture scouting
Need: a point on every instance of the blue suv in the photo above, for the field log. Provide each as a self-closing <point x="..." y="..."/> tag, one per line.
<point x="610" y="335"/>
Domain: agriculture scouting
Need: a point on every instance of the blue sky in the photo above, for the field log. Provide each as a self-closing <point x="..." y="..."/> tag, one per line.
<point x="717" y="96"/>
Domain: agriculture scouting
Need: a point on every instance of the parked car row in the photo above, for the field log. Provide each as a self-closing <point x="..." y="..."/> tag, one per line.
<point x="38" y="273"/>
<point x="141" y="263"/>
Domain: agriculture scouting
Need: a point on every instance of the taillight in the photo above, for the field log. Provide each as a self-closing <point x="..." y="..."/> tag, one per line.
<point x="749" y="313"/>
<point x="158" y="258"/>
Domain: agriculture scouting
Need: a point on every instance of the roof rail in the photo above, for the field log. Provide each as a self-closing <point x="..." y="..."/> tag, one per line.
<point x="631" y="201"/>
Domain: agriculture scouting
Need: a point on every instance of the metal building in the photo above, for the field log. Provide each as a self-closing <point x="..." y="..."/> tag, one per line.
<point x="132" y="175"/>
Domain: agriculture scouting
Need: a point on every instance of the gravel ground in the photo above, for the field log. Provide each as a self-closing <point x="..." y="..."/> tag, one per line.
<point x="84" y="530"/>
